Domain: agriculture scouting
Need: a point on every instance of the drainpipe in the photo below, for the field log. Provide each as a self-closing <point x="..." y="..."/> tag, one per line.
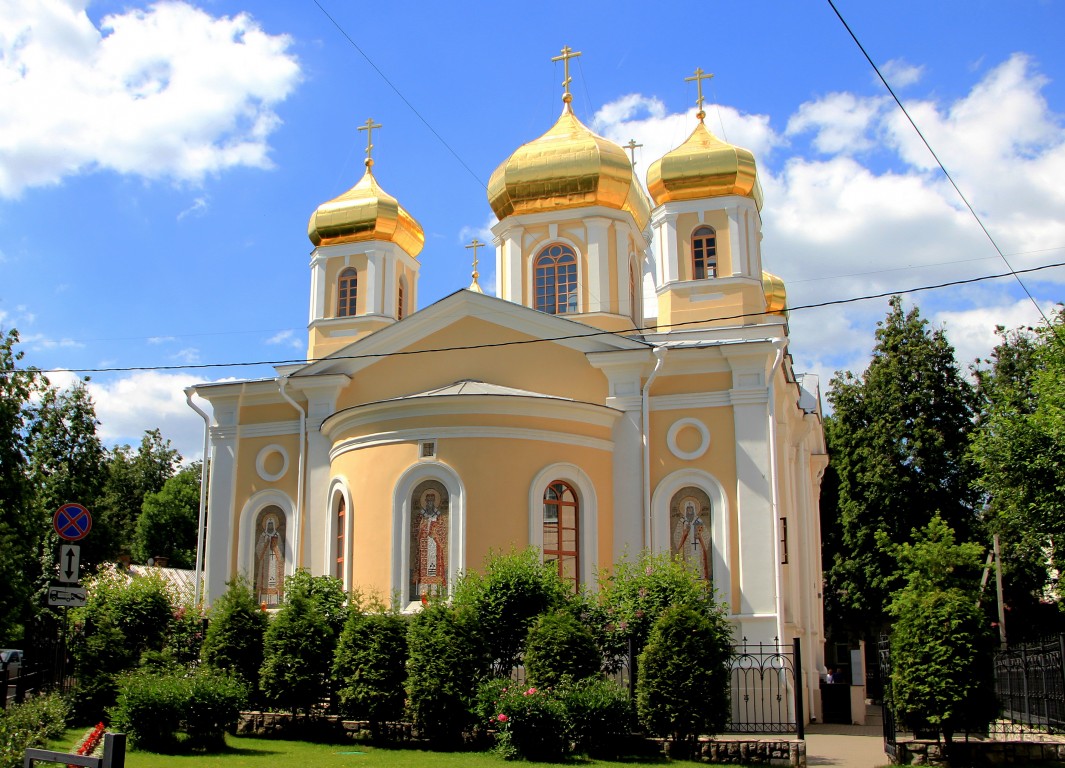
<point x="199" y="588"/>
<point x="660" y="356"/>
<point x="282" y="383"/>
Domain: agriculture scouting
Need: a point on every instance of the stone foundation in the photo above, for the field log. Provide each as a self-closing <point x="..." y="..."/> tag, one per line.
<point x="754" y="751"/>
<point x="979" y="753"/>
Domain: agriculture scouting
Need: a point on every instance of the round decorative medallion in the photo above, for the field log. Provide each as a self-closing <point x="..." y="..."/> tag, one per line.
<point x="272" y="463"/>
<point x="679" y="434"/>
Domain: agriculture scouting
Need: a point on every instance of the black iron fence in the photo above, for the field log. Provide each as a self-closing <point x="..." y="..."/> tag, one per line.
<point x="765" y="684"/>
<point x="1029" y="685"/>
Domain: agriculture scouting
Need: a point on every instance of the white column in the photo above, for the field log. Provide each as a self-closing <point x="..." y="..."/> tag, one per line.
<point x="372" y="296"/>
<point x="737" y="235"/>
<point x="597" y="277"/>
<point x="389" y="286"/>
<point x="628" y="478"/>
<point x="222" y="519"/>
<point x="621" y="262"/>
<point x="511" y="275"/>
<point x="668" y="250"/>
<point x="318" y="286"/>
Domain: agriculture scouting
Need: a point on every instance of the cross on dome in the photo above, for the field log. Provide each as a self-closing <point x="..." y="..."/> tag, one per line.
<point x="369" y="128"/>
<point x="567" y="54"/>
<point x="698" y="77"/>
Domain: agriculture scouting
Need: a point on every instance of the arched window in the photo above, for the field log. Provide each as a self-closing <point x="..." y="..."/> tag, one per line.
<point x="561" y="531"/>
<point x="270" y="555"/>
<point x="689" y="523"/>
<point x="556" y="280"/>
<point x="704" y="253"/>
<point x="341" y="520"/>
<point x="430" y="512"/>
<point x="633" y="309"/>
<point x="399" y="299"/>
<point x="347" y="290"/>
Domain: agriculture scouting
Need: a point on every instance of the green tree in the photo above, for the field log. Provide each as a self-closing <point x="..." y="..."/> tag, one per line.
<point x="447" y="659"/>
<point x="682" y="688"/>
<point x="1018" y="448"/>
<point x="897" y="438"/>
<point x="514" y="590"/>
<point x="131" y="477"/>
<point x="234" y="641"/>
<point x="21" y="524"/>
<point x="940" y="646"/>
<point x="560" y="649"/>
<point x="169" y="520"/>
<point x="370" y="667"/>
<point x="296" y="649"/>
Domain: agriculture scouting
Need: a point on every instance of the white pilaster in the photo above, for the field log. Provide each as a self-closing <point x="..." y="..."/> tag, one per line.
<point x="598" y="275"/>
<point x="372" y="296"/>
<point x="621" y="267"/>
<point x="222" y="522"/>
<point x="737" y="235"/>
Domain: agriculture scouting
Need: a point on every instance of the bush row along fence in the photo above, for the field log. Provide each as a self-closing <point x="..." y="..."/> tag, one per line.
<point x="1029" y="689"/>
<point x="765" y="696"/>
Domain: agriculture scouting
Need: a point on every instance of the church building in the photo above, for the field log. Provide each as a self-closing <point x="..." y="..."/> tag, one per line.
<point x="629" y="386"/>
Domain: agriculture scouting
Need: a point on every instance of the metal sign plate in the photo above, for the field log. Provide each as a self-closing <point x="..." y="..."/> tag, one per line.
<point x="62" y="595"/>
<point x="69" y="560"/>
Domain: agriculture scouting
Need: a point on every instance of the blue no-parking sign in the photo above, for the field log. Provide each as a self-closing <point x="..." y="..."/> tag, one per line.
<point x="72" y="522"/>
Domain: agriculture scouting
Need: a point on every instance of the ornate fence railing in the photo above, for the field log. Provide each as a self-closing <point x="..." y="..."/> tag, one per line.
<point x="765" y="683"/>
<point x="1030" y="686"/>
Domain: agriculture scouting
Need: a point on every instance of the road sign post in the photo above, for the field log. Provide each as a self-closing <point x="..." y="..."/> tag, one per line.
<point x="69" y="560"/>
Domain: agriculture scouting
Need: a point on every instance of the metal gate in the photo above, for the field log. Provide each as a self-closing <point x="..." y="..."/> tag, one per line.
<point x="890" y="734"/>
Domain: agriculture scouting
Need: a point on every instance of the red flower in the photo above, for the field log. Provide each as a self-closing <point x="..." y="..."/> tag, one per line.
<point x="502" y="718"/>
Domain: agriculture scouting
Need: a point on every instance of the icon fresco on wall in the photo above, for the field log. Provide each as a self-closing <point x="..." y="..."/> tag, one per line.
<point x="689" y="519"/>
<point x="270" y="556"/>
<point x="428" y="540"/>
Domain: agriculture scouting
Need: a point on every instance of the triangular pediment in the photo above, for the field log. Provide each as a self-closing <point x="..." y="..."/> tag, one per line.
<point x="459" y="306"/>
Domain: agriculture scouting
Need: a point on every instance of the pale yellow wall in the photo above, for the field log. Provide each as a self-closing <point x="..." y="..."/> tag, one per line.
<point x="264" y="414"/>
<point x="693" y="382"/>
<point x="536" y="367"/>
<point x="398" y="422"/>
<point x="741" y="303"/>
<point x="496" y="473"/>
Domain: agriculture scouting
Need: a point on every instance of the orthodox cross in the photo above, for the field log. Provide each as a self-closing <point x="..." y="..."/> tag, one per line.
<point x="567" y="54"/>
<point x="369" y="128"/>
<point x="475" y="245"/>
<point x="631" y="146"/>
<point x="698" y="77"/>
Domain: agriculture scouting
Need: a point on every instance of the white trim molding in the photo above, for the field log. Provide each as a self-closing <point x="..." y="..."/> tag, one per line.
<point x="264" y="454"/>
<point x="680" y="425"/>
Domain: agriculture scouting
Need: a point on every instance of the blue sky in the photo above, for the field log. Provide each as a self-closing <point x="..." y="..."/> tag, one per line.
<point x="159" y="162"/>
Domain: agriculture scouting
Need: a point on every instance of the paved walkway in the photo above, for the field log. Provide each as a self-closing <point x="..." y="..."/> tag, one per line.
<point x="846" y="746"/>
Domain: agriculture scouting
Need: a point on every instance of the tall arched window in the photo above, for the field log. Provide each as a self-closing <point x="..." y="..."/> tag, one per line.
<point x="704" y="253"/>
<point x="561" y="531"/>
<point x="347" y="290"/>
<point x="689" y="522"/>
<point x="341" y="520"/>
<point x="399" y="298"/>
<point x="556" y="280"/>
<point x="633" y="309"/>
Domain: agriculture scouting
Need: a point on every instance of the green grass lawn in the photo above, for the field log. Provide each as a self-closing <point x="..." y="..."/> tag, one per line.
<point x="248" y="752"/>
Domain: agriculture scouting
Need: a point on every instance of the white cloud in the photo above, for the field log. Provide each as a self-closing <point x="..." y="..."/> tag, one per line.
<point x="900" y="73"/>
<point x="841" y="122"/>
<point x="198" y="208"/>
<point x="972" y="331"/>
<point x="286" y="338"/>
<point x="163" y="92"/>
<point x="189" y="355"/>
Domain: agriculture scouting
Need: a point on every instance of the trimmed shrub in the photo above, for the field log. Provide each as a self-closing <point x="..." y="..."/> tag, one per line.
<point x="370" y="668"/>
<point x="234" y="641"/>
<point x="297" y="649"/>
<point x="682" y="688"/>
<point x="559" y="649"/>
<point x="513" y="591"/>
<point x="600" y="716"/>
<point x="31" y="724"/>
<point x="446" y="659"/>
<point x="169" y="711"/>
<point x="532" y="724"/>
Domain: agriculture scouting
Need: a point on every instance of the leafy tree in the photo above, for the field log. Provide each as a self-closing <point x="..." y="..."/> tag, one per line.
<point x="21" y="524"/>
<point x="1018" y="448"/>
<point x="897" y="438"/>
<point x="234" y="641"/>
<point x="940" y="647"/>
<point x="297" y="647"/>
<point x="637" y="592"/>
<point x="514" y="590"/>
<point x="558" y="649"/>
<point x="169" y="520"/>
<point x="370" y="667"/>
<point x="67" y="463"/>
<point x="447" y="659"/>
<point x="682" y="688"/>
<point x="327" y="593"/>
<point x="131" y="477"/>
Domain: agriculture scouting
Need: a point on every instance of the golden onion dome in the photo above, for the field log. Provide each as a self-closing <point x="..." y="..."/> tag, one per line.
<point x="365" y="212"/>
<point x="568" y="167"/>
<point x="704" y="166"/>
<point x="776" y="295"/>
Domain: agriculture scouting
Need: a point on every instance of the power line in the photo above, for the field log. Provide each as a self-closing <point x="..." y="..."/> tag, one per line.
<point x="400" y="94"/>
<point x="590" y="334"/>
<point x="942" y="167"/>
